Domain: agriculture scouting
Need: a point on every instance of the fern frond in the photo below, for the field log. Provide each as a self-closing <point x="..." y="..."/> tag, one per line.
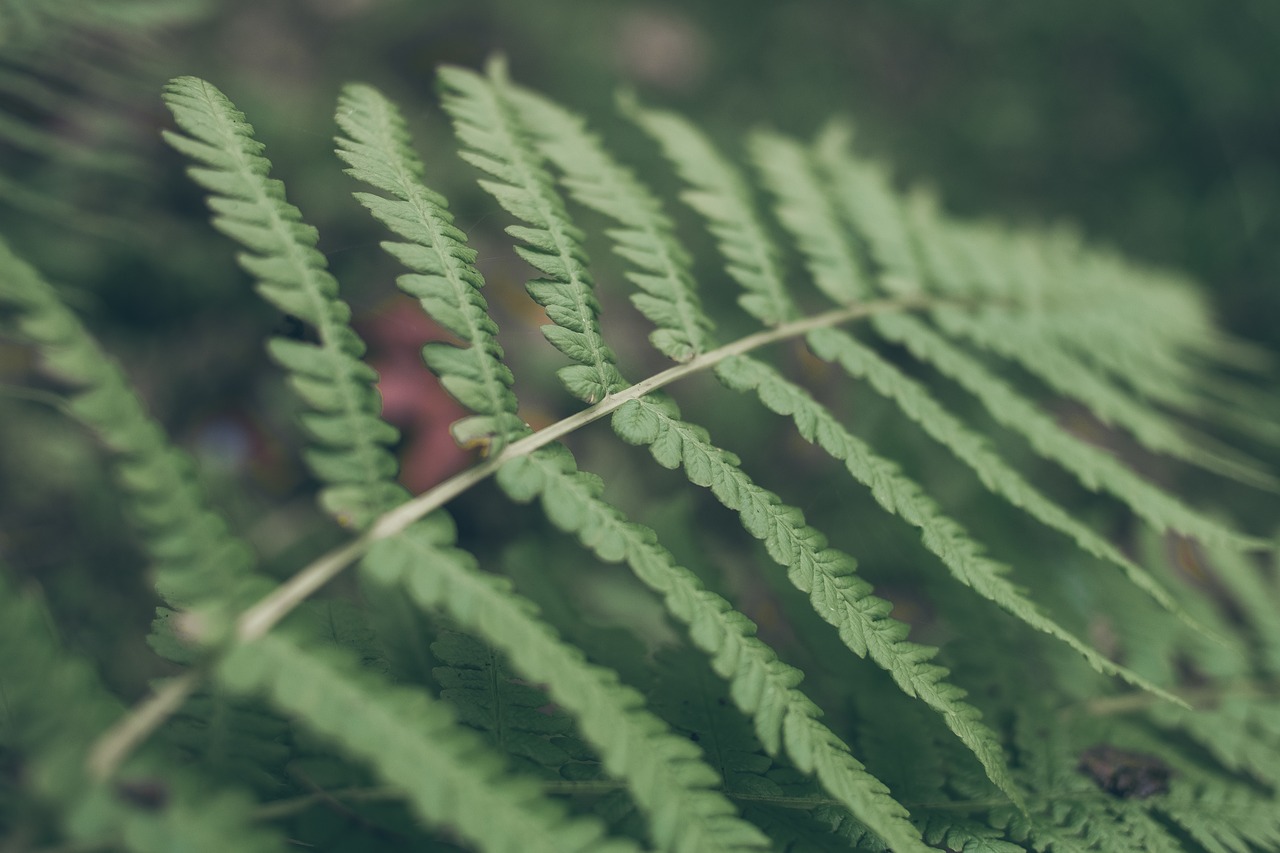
<point x="719" y="193"/>
<point x="1225" y="818"/>
<point x="447" y="773"/>
<point x="445" y="279"/>
<point x="838" y="596"/>
<point x="70" y="74"/>
<point x="54" y="705"/>
<point x="1256" y="600"/>
<point x="667" y="780"/>
<point x="196" y="557"/>
<point x="485" y="694"/>
<point x="760" y="684"/>
<point x="664" y="772"/>
<point x="867" y="206"/>
<point x="807" y="211"/>
<point x="901" y="496"/>
<point x="451" y="296"/>
<point x="1095" y="469"/>
<point x="688" y="152"/>
<point x="1030" y="343"/>
<point x="486" y="126"/>
<point x="352" y="457"/>
<point x="657" y="264"/>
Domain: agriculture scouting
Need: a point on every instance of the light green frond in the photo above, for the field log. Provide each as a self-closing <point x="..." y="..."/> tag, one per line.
<point x="722" y="197"/>
<point x="54" y="706"/>
<point x="1095" y="469"/>
<point x="1224" y="818"/>
<point x="902" y="497"/>
<point x="863" y="198"/>
<point x="448" y="775"/>
<point x="664" y="772"/>
<point x="1038" y="345"/>
<point x="351" y="455"/>
<point x="838" y="596"/>
<point x="444" y="279"/>
<point x="826" y="575"/>
<point x="658" y="264"/>
<point x="485" y="122"/>
<point x="197" y="558"/>
<point x="806" y="211"/>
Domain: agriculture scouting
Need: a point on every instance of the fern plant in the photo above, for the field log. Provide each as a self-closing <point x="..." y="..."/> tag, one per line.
<point x="1108" y="691"/>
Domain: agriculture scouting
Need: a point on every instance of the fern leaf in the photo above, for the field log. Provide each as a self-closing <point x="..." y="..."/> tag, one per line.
<point x="900" y="496"/>
<point x="808" y="215"/>
<point x="515" y="715"/>
<point x="761" y="685"/>
<point x="658" y="265"/>
<point x="54" y="707"/>
<point x="664" y="772"/>
<point x="765" y="687"/>
<point x="485" y="125"/>
<point x="448" y="774"/>
<point x="197" y="558"/>
<point x="1224" y="818"/>
<point x="838" y="596"/>
<point x="1095" y="469"/>
<point x="867" y="207"/>
<point x="444" y="279"/>
<point x="1030" y="345"/>
<point x="722" y="197"/>
<point x="352" y="456"/>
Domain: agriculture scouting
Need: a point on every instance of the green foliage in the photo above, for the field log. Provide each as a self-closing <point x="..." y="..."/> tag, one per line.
<point x="976" y="692"/>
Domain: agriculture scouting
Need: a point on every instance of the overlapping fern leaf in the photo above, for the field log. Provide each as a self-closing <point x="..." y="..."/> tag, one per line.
<point x="55" y="705"/>
<point x="71" y="74"/>
<point x="987" y="715"/>
<point x="197" y="558"/>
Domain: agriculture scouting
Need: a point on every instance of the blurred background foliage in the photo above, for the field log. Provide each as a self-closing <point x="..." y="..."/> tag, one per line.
<point x="1151" y="125"/>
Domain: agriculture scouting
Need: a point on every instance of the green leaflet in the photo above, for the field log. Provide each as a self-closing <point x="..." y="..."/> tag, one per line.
<point x="760" y="684"/>
<point x="350" y="453"/>
<point x="449" y="776"/>
<point x="664" y="772"/>
<point x="721" y="196"/>
<point x="197" y="559"/>
<point x="55" y="705"/>
<point x="445" y="280"/>
<point x="839" y="597"/>
<point x="900" y="496"/>
<point x="1095" y="469"/>
<point x="1044" y="349"/>
<point x="657" y="264"/>
<point x="492" y="143"/>
<point x="870" y="209"/>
